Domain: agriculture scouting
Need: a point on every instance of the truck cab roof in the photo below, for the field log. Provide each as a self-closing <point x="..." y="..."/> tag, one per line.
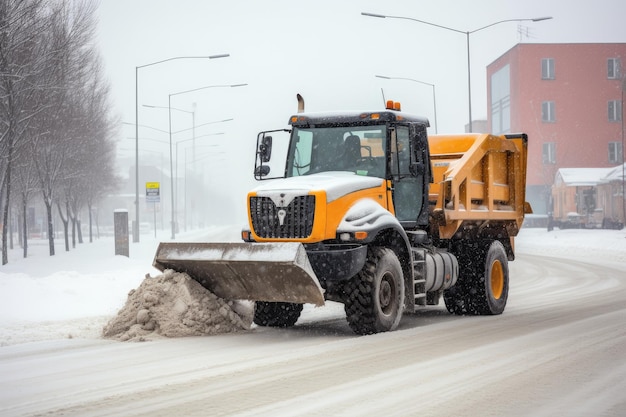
<point x="354" y="117"/>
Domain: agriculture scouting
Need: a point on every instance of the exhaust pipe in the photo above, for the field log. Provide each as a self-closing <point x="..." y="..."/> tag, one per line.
<point x="300" y="103"/>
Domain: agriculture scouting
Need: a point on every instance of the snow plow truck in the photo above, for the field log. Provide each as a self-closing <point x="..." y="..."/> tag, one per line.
<point x="365" y="209"/>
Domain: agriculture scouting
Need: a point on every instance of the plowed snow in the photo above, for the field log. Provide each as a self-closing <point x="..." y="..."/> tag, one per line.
<point x="174" y="305"/>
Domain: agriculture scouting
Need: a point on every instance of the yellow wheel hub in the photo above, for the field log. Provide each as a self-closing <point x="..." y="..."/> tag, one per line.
<point x="497" y="280"/>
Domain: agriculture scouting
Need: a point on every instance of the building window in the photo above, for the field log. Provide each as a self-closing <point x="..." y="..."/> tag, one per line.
<point x="615" y="153"/>
<point x="547" y="68"/>
<point x="547" y="111"/>
<point x="549" y="153"/>
<point x="613" y="68"/>
<point x="615" y="111"/>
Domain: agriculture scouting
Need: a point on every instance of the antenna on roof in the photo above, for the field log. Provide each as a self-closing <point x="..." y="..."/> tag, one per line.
<point x="524" y="32"/>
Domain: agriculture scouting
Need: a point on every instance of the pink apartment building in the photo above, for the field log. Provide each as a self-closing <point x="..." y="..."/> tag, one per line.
<point x="568" y="98"/>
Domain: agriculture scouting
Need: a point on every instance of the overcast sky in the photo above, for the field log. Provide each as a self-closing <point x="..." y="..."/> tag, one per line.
<point x="323" y="49"/>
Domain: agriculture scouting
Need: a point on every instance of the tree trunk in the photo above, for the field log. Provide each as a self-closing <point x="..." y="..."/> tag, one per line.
<point x="48" y="204"/>
<point x="5" y="213"/>
<point x="79" y="231"/>
<point x="90" y="224"/>
<point x="20" y="240"/>
<point x="65" y="221"/>
<point x="11" y="231"/>
<point x="73" y="220"/>
<point x="24" y="227"/>
<point x="66" y="236"/>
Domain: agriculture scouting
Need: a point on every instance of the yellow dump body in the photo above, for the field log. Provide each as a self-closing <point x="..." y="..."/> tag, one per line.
<point x="479" y="180"/>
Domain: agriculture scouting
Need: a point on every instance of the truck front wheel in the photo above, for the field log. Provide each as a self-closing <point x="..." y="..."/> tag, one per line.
<point x="374" y="298"/>
<point x="276" y="314"/>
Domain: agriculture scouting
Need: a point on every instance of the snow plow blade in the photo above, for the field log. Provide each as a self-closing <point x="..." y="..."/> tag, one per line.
<point x="278" y="272"/>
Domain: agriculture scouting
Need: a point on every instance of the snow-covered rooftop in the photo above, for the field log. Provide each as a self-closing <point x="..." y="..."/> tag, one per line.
<point x="615" y="174"/>
<point x="582" y="176"/>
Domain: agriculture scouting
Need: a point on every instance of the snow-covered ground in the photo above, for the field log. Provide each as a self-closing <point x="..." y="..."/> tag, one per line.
<point x="559" y="348"/>
<point x="73" y="294"/>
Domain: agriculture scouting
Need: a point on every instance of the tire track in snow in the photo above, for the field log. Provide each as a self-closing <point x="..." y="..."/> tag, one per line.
<point x="562" y="333"/>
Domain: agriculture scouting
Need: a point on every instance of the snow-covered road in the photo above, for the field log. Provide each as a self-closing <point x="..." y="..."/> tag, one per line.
<point x="559" y="349"/>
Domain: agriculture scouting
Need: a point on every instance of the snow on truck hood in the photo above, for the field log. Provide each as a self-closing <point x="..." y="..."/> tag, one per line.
<point x="335" y="183"/>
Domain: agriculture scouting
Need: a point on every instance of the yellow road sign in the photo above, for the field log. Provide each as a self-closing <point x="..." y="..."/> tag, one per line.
<point x="153" y="192"/>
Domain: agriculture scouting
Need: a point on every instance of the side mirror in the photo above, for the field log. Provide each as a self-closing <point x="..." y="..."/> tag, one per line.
<point x="261" y="171"/>
<point x="265" y="148"/>
<point x="263" y="162"/>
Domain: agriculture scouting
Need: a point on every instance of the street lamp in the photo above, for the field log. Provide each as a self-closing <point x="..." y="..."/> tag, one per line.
<point x="136" y="229"/>
<point x="176" y="187"/>
<point x="193" y="124"/>
<point x="176" y="169"/>
<point x="196" y="89"/>
<point x="192" y="113"/>
<point x="420" y="82"/>
<point x="467" y="35"/>
<point x="146" y="126"/>
<point x="169" y="105"/>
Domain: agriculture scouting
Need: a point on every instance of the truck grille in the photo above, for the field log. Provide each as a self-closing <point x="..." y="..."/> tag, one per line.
<point x="297" y="222"/>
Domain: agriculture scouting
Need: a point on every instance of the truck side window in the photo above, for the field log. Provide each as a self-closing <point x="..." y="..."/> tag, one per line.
<point x="407" y="189"/>
<point x="400" y="152"/>
<point x="302" y="156"/>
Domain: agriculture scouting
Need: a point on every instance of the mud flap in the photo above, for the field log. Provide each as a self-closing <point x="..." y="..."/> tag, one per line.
<point x="246" y="271"/>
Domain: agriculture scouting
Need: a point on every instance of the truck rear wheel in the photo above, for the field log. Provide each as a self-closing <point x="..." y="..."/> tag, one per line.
<point x="492" y="284"/>
<point x="375" y="296"/>
<point x="483" y="287"/>
<point x="276" y="314"/>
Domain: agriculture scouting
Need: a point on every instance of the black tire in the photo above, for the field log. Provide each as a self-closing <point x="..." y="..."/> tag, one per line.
<point x="492" y="285"/>
<point x="374" y="298"/>
<point x="483" y="286"/>
<point x="276" y="314"/>
<point x="455" y="297"/>
<point x="471" y="258"/>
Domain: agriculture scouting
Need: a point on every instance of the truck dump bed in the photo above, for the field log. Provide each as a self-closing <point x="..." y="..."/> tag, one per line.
<point x="479" y="181"/>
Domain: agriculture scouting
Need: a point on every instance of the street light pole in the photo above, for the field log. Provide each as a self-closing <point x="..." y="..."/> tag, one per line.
<point x="193" y="139"/>
<point x="171" y="156"/>
<point x="420" y="82"/>
<point x="136" y="229"/>
<point x="193" y="119"/>
<point x="623" y="153"/>
<point x="469" y="84"/>
<point x="467" y="36"/>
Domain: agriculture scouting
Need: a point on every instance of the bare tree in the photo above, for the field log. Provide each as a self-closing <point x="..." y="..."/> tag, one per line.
<point x="21" y="30"/>
<point x="94" y="159"/>
<point x="99" y="160"/>
<point x="26" y="185"/>
<point x="68" y="122"/>
<point x="54" y="103"/>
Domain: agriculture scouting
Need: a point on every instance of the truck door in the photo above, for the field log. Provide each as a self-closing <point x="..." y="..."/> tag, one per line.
<point x="408" y="186"/>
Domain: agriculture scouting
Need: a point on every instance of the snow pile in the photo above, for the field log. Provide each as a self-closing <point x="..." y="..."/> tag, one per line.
<point x="174" y="305"/>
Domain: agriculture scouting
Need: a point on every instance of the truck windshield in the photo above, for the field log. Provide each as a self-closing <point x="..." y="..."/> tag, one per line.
<point x="360" y="149"/>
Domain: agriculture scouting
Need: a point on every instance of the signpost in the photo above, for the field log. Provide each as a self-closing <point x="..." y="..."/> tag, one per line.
<point x="153" y="195"/>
